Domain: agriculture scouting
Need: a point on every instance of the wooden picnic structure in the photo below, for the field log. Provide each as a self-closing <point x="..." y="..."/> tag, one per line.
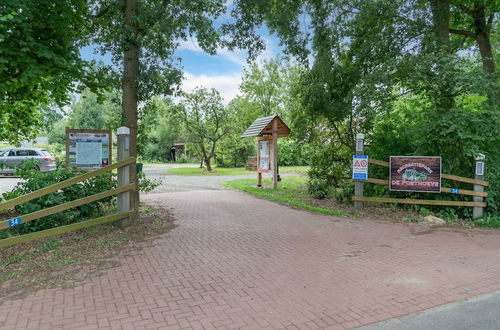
<point x="267" y="130"/>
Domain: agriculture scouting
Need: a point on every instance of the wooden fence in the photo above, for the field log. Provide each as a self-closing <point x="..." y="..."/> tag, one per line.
<point x="478" y="204"/>
<point x="122" y="188"/>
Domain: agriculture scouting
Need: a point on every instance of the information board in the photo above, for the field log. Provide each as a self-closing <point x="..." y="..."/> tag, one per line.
<point x="415" y="173"/>
<point x="360" y="167"/>
<point x="88" y="149"/>
<point x="264" y="156"/>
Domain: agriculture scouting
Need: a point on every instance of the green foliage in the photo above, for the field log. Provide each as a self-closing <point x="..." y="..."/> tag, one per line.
<point x="35" y="180"/>
<point x="205" y="121"/>
<point x="158" y="131"/>
<point x="291" y="191"/>
<point x="489" y="221"/>
<point x="91" y="112"/>
<point x="39" y="61"/>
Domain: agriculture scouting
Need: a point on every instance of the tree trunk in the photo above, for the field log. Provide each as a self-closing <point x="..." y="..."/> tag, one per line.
<point x="207" y="164"/>
<point x="484" y="43"/>
<point x="441" y="21"/>
<point x="441" y="17"/>
<point x="129" y="84"/>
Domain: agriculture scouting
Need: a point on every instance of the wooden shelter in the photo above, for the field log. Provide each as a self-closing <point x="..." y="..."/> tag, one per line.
<point x="267" y="130"/>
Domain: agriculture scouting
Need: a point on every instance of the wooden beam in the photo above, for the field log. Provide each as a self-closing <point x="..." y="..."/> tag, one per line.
<point x="466" y="192"/>
<point x="462" y="179"/>
<point x="416" y="201"/>
<point x="63" y="229"/>
<point x="47" y="190"/>
<point x="69" y="205"/>
<point x="378" y="162"/>
<point x="443" y="189"/>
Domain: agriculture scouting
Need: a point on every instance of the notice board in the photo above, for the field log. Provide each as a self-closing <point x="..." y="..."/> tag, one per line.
<point x="415" y="173"/>
<point x="88" y="149"/>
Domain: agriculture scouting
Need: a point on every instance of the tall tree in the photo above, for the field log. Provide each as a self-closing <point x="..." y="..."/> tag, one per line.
<point x="205" y="121"/>
<point x="39" y="60"/>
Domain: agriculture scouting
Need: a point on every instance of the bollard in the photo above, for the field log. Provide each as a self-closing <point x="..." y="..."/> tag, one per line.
<point x="123" y="199"/>
<point x="477" y="212"/>
<point x="358" y="186"/>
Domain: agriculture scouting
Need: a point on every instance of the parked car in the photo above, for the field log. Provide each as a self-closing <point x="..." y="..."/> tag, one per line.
<point x="10" y="158"/>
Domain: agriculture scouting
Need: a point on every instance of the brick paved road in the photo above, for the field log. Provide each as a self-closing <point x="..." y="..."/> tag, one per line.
<point x="236" y="261"/>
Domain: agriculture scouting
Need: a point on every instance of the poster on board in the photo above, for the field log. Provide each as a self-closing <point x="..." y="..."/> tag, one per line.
<point x="88" y="149"/>
<point x="415" y="173"/>
<point x="264" y="156"/>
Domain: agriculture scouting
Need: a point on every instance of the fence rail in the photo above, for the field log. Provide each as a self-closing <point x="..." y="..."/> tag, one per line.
<point x="478" y="194"/>
<point x="4" y="224"/>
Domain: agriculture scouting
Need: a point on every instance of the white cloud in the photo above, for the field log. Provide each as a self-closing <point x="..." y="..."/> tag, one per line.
<point x="227" y="85"/>
<point x="236" y="56"/>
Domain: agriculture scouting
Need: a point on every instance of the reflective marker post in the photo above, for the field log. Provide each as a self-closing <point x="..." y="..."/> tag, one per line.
<point x="477" y="212"/>
<point x="358" y="186"/>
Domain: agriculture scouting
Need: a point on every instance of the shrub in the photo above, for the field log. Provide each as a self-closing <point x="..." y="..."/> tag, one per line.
<point x="33" y="180"/>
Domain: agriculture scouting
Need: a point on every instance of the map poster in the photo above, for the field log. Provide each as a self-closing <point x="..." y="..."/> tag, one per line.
<point x="415" y="173"/>
<point x="88" y="149"/>
<point x="264" y="164"/>
<point x="264" y="148"/>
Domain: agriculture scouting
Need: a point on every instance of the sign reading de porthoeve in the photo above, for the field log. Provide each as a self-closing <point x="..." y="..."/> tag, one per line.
<point x="415" y="173"/>
<point x="359" y="167"/>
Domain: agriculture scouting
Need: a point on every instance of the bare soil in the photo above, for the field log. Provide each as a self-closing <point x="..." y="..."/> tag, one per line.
<point x="67" y="259"/>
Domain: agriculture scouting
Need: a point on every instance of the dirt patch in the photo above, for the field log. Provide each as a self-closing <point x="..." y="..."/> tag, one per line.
<point x="67" y="259"/>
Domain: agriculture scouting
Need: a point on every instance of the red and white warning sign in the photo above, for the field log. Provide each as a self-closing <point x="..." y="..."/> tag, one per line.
<point x="359" y="167"/>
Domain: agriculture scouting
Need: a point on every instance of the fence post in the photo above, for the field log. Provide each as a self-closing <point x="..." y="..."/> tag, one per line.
<point x="123" y="199"/>
<point x="477" y="212"/>
<point x="358" y="186"/>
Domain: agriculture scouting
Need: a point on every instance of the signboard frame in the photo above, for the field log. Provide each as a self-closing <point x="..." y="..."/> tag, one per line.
<point x="423" y="160"/>
<point x="70" y="148"/>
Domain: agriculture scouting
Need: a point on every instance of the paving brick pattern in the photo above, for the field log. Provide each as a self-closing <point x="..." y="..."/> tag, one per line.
<point x="239" y="262"/>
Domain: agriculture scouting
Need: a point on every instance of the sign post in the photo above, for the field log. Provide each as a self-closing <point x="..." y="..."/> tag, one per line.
<point x="358" y="186"/>
<point x="477" y="212"/>
<point x="123" y="199"/>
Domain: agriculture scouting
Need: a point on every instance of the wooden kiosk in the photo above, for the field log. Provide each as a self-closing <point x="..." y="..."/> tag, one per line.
<point x="267" y="130"/>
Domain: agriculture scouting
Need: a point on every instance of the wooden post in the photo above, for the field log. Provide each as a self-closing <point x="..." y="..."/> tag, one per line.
<point x="477" y="212"/>
<point x="358" y="186"/>
<point x="123" y="199"/>
<point x="259" y="179"/>
<point x="275" y="154"/>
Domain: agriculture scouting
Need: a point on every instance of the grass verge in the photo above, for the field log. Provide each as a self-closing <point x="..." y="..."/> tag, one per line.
<point x="196" y="171"/>
<point x="291" y="191"/>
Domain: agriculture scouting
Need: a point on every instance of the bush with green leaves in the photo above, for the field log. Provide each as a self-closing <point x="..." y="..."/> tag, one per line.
<point x="32" y="180"/>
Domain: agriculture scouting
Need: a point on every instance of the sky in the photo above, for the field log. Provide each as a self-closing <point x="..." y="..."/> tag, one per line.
<point x="222" y="71"/>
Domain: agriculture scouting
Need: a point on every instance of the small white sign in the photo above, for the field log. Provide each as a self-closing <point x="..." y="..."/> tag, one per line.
<point x="264" y="164"/>
<point x="359" y="167"/>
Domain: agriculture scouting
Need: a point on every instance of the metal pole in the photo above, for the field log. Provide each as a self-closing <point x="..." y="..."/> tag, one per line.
<point x="123" y="199"/>
<point x="477" y="212"/>
<point x="358" y="186"/>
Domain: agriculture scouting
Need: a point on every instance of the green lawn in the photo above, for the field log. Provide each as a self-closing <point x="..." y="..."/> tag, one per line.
<point x="291" y="191"/>
<point x="196" y="171"/>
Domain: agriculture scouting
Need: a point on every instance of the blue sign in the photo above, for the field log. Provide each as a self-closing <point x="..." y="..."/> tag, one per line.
<point x="15" y="222"/>
<point x="454" y="190"/>
<point x="359" y="167"/>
